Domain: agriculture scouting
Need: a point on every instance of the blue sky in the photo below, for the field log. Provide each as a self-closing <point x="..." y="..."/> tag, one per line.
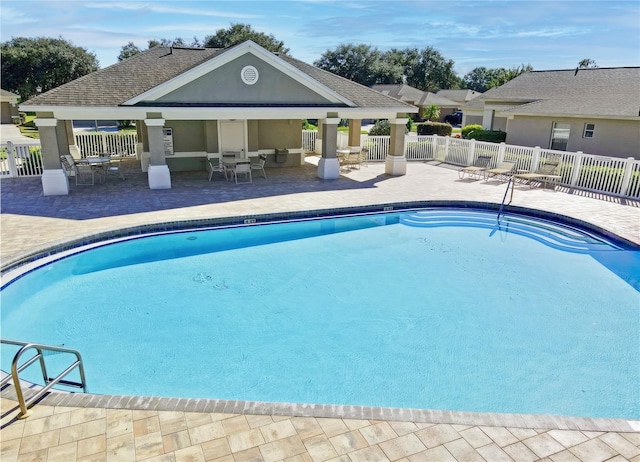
<point x="544" y="33"/>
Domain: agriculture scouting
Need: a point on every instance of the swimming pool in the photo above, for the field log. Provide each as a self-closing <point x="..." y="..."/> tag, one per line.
<point x="439" y="309"/>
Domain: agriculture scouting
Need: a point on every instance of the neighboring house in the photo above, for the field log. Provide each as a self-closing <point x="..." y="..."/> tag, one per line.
<point x="459" y="96"/>
<point x="9" y="107"/>
<point x="594" y="110"/>
<point x="194" y="103"/>
<point x="420" y="99"/>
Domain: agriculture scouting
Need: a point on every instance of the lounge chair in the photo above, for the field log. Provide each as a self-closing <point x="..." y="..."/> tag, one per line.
<point x="505" y="169"/>
<point x="475" y="170"/>
<point x="546" y="173"/>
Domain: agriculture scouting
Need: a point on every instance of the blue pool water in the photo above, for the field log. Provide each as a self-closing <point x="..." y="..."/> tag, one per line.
<point x="438" y="309"/>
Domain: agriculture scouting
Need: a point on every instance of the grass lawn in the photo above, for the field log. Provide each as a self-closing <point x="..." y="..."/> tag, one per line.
<point x="28" y="128"/>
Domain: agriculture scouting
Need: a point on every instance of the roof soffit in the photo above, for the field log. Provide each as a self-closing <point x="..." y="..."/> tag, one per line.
<point x="228" y="56"/>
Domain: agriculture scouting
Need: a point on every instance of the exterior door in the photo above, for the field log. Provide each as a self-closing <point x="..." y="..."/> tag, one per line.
<point x="232" y="136"/>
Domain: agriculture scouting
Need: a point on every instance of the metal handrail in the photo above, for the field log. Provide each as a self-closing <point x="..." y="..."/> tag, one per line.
<point x="49" y="382"/>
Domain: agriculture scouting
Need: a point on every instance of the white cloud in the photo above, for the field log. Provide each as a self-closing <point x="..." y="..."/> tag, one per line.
<point x="14" y="16"/>
<point x="554" y="32"/>
<point x="158" y="8"/>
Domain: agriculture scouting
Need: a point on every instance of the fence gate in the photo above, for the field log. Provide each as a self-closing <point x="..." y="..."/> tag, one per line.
<point x="20" y="160"/>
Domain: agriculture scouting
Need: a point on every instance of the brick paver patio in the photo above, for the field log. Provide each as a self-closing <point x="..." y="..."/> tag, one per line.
<point x="76" y="429"/>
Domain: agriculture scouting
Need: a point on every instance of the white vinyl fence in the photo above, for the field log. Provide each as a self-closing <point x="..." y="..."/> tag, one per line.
<point x="609" y="175"/>
<point x="92" y="144"/>
<point x="20" y="160"/>
<point x="309" y="140"/>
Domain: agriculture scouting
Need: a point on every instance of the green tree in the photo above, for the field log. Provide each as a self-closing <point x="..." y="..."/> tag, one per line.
<point x="428" y="70"/>
<point x="587" y="63"/>
<point x="45" y="63"/>
<point x="502" y="75"/>
<point x="424" y="69"/>
<point x="359" y="63"/>
<point x="238" y="33"/>
<point x="128" y="51"/>
<point x="431" y="112"/>
<point x="478" y="79"/>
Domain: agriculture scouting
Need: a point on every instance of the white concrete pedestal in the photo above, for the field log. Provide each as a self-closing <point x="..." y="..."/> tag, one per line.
<point x="395" y="165"/>
<point x="159" y="177"/>
<point x="55" y="183"/>
<point x="329" y="169"/>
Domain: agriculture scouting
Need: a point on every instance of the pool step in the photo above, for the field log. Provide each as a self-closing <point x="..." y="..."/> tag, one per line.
<point x="552" y="234"/>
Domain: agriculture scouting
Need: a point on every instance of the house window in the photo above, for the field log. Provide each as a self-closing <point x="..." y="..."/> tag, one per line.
<point x="559" y="136"/>
<point x="589" y="129"/>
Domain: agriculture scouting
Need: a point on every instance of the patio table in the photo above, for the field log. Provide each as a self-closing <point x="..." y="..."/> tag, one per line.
<point x="97" y="163"/>
<point x="230" y="163"/>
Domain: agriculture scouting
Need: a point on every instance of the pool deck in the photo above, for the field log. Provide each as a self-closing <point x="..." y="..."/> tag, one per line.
<point x="97" y="428"/>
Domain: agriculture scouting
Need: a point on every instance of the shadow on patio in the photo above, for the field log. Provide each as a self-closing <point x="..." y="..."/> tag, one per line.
<point x="23" y="196"/>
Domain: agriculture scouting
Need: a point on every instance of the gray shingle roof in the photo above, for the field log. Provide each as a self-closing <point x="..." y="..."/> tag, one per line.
<point x="411" y="94"/>
<point x="8" y="94"/>
<point x="120" y="82"/>
<point x="589" y="92"/>
<point x="459" y="95"/>
<point x="123" y="81"/>
<point x="401" y="91"/>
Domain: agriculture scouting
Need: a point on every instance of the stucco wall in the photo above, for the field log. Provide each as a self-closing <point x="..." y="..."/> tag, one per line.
<point x="500" y="123"/>
<point x="5" y="111"/>
<point x="279" y="134"/>
<point x="188" y="135"/>
<point x="211" y="135"/>
<point x="619" y="138"/>
<point x="224" y="85"/>
<point x="473" y="120"/>
<point x="253" y="135"/>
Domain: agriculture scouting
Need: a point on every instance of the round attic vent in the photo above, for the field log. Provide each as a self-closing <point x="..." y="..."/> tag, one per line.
<point x="249" y="75"/>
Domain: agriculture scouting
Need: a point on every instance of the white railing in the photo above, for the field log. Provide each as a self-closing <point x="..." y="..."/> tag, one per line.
<point x="609" y="175"/>
<point x="419" y="148"/>
<point x="309" y="140"/>
<point x="21" y="160"/>
<point x="377" y="146"/>
<point x="91" y="144"/>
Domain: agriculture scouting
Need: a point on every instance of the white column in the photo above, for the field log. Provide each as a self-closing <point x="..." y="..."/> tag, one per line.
<point x="158" y="171"/>
<point x="487" y="119"/>
<point x="54" y="180"/>
<point x="329" y="165"/>
<point x="396" y="162"/>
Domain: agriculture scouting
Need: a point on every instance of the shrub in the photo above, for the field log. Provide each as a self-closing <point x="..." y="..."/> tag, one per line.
<point x="381" y="128"/>
<point x="306" y="125"/>
<point x="435" y="128"/>
<point x="493" y="136"/>
<point x="409" y="124"/>
<point x="469" y="128"/>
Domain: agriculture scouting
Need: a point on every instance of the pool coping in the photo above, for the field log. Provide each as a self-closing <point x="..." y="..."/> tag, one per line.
<point x="25" y="262"/>
<point x="238" y="407"/>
